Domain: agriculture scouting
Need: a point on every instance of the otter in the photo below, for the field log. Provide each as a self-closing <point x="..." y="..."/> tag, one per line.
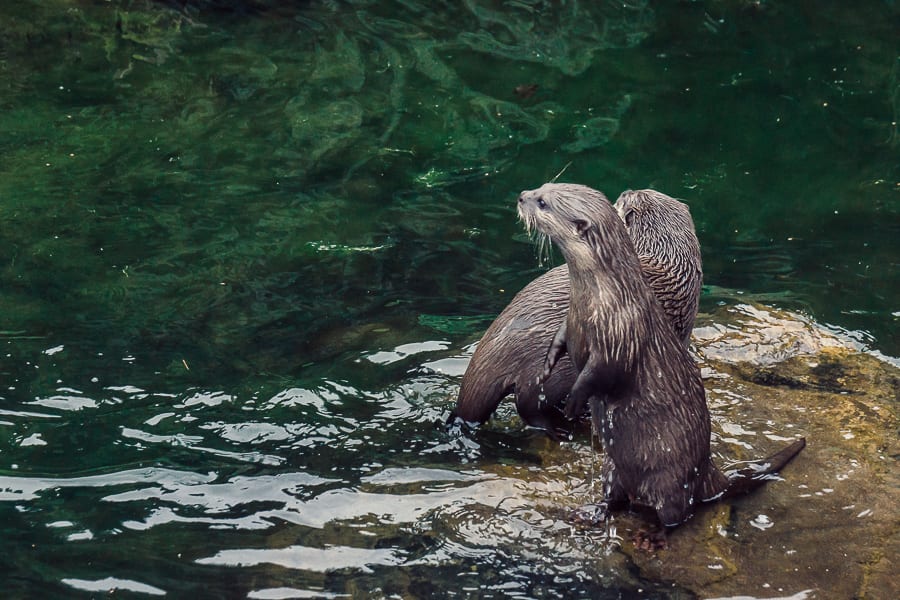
<point x="662" y="231"/>
<point x="510" y="359"/>
<point x="510" y="356"/>
<point x="646" y="398"/>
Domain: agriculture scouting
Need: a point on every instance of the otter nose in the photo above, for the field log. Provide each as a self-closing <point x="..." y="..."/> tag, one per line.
<point x="522" y="198"/>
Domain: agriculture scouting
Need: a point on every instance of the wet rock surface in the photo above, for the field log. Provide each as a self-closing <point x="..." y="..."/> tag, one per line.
<point x="829" y="528"/>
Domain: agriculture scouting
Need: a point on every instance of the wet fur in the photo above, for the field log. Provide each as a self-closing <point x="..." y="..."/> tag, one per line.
<point x="644" y="390"/>
<point x="662" y="231"/>
<point x="510" y="356"/>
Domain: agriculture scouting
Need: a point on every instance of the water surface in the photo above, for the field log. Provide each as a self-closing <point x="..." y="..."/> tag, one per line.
<point x="247" y="248"/>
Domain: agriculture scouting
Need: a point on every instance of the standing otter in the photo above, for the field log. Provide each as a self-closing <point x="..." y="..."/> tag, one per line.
<point x="510" y="355"/>
<point x="646" y="398"/>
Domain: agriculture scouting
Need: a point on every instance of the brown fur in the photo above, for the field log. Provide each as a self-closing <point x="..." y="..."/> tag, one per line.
<point x="646" y="398"/>
<point x="510" y="356"/>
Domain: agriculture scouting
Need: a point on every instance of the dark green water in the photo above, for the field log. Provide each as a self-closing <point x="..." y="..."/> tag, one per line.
<point x="244" y="249"/>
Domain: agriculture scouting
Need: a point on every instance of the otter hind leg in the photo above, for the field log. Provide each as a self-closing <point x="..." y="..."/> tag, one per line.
<point x="652" y="539"/>
<point x="673" y="507"/>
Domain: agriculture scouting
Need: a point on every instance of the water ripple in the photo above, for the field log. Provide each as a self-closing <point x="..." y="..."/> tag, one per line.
<point x="307" y="559"/>
<point x="30" y="488"/>
<point x="111" y="585"/>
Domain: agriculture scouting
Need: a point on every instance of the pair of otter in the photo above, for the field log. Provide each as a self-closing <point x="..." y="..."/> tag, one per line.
<point x="510" y="355"/>
<point x="629" y="358"/>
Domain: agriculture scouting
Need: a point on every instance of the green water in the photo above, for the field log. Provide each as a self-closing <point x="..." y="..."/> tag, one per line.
<point x="243" y="245"/>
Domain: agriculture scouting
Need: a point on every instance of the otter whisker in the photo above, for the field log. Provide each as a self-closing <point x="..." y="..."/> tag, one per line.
<point x="541" y="239"/>
<point x="545" y="249"/>
<point x="542" y="243"/>
<point x="558" y="175"/>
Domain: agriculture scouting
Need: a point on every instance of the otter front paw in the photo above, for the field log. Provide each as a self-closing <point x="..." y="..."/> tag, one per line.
<point x="545" y="374"/>
<point x="575" y="406"/>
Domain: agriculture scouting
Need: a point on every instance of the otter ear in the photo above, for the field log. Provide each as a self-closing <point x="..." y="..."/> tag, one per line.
<point x="628" y="217"/>
<point x="581" y="226"/>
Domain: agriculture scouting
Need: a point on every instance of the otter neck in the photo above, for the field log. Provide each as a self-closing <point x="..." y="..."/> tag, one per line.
<point x="607" y="265"/>
<point x="608" y="293"/>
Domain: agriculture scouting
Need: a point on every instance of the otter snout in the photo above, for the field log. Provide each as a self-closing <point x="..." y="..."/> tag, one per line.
<point x="522" y="210"/>
<point x="523" y="198"/>
<point x="531" y="197"/>
<point x="530" y="201"/>
<point x="536" y="208"/>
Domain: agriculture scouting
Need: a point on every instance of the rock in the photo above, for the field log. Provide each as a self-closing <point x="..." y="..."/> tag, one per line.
<point x="830" y="528"/>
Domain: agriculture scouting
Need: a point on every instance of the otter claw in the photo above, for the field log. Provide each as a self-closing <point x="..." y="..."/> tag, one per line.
<point x="574" y="409"/>
<point x="545" y="374"/>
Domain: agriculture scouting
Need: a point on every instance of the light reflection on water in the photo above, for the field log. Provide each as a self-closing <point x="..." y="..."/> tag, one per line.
<point x="30" y="488"/>
<point x="307" y="559"/>
<point x="307" y="482"/>
<point x="245" y="260"/>
<point x="310" y="487"/>
<point x="113" y="584"/>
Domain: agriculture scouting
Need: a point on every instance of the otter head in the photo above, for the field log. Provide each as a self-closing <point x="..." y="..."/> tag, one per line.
<point x="659" y="225"/>
<point x="575" y="217"/>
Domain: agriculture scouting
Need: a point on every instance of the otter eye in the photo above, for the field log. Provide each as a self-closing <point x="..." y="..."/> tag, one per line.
<point x="541" y="204"/>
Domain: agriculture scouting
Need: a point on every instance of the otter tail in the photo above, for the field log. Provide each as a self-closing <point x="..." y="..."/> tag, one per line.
<point x="747" y="479"/>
